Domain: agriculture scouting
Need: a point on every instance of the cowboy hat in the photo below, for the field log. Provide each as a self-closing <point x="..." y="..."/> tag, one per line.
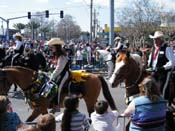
<point x="17" y="35"/>
<point x="55" y="41"/>
<point x="117" y="38"/>
<point x="157" y="34"/>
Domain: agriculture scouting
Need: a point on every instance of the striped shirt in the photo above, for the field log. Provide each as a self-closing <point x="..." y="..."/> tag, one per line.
<point x="79" y="121"/>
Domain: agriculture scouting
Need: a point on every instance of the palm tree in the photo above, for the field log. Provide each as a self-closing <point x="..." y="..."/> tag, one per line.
<point x="44" y="30"/>
<point x="19" y="26"/>
<point x="33" y="26"/>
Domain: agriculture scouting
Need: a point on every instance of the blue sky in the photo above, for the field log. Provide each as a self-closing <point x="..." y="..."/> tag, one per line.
<point x="79" y="9"/>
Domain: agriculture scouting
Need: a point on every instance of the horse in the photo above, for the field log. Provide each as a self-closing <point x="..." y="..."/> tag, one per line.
<point x="25" y="77"/>
<point x="128" y="71"/>
<point x="33" y="61"/>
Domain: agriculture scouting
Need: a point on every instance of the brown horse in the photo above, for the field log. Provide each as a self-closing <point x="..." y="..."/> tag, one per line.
<point x="24" y="77"/>
<point x="127" y="70"/>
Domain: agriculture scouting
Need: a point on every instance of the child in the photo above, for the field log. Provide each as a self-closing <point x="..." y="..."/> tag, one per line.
<point x="102" y="119"/>
<point x="46" y="123"/>
<point x="72" y="119"/>
<point x="9" y="121"/>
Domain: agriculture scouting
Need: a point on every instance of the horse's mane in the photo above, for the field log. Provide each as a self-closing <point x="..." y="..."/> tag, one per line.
<point x="19" y="68"/>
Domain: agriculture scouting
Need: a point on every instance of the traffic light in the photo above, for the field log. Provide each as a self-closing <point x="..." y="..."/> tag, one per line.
<point x="47" y="14"/>
<point x="29" y="15"/>
<point x="61" y="14"/>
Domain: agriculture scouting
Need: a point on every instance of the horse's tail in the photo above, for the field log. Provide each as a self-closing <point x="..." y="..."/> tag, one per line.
<point x="107" y="93"/>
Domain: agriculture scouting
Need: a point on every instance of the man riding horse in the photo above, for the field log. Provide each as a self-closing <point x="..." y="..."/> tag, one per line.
<point x="161" y="61"/>
<point x="19" y="47"/>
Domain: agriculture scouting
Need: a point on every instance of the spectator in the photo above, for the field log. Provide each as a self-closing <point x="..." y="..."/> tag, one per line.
<point x="147" y="112"/>
<point x="46" y="123"/>
<point x="79" y="57"/>
<point x="9" y="121"/>
<point x="72" y="119"/>
<point x="89" y="53"/>
<point x="28" y="128"/>
<point x="102" y="119"/>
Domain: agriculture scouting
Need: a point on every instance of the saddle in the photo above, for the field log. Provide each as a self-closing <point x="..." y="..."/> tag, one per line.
<point x="75" y="85"/>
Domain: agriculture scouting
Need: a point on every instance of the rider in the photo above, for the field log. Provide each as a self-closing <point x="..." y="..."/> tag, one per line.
<point x="118" y="44"/>
<point x="61" y="72"/>
<point x="19" y="47"/>
<point x="161" y="60"/>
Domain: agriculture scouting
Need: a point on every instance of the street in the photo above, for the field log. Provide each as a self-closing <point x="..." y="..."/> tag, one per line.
<point x="24" y="110"/>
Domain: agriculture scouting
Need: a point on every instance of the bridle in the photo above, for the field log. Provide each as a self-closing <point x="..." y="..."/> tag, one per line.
<point x="3" y="80"/>
<point x="137" y="80"/>
<point x="128" y="99"/>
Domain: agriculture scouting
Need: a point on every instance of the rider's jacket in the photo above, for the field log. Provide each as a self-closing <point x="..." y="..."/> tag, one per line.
<point x="19" y="48"/>
<point x="165" y="58"/>
<point x="161" y="60"/>
<point x="148" y="114"/>
<point x="62" y="66"/>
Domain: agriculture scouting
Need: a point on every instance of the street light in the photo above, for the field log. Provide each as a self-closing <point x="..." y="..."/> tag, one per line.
<point x="61" y="14"/>
<point x="29" y="15"/>
<point x="47" y="14"/>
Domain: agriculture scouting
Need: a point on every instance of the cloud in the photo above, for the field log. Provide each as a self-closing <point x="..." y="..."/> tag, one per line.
<point x="103" y="3"/>
<point x="3" y="6"/>
<point x="42" y="1"/>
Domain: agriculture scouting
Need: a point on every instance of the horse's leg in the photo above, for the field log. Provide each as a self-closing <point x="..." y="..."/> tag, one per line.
<point x="90" y="104"/>
<point x="92" y="87"/>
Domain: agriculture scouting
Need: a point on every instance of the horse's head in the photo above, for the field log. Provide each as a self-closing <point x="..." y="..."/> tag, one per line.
<point x="5" y="82"/>
<point x="23" y="77"/>
<point x="126" y="70"/>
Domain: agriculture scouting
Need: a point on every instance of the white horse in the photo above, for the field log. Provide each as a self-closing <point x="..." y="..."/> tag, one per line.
<point x="107" y="57"/>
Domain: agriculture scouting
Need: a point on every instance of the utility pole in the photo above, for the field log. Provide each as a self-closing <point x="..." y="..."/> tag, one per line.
<point x="111" y="33"/>
<point x="91" y="8"/>
<point x="94" y="27"/>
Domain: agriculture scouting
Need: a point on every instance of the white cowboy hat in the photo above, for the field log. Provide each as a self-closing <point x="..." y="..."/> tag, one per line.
<point x="117" y="38"/>
<point x="55" y="41"/>
<point x="17" y="35"/>
<point x="157" y="34"/>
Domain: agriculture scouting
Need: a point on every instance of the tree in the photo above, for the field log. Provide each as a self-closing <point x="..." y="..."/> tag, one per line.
<point x="19" y="26"/>
<point x="33" y="25"/>
<point x="67" y="28"/>
<point x="139" y="20"/>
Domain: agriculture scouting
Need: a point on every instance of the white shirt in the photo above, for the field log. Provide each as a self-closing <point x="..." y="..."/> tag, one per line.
<point x="18" y="44"/>
<point x="89" y="50"/>
<point x="79" y="55"/>
<point x="169" y="55"/>
<point x="105" y="122"/>
<point x="61" y="63"/>
<point x="118" y="46"/>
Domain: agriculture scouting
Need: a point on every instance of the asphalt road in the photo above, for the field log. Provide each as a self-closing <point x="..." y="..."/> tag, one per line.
<point x="24" y="110"/>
